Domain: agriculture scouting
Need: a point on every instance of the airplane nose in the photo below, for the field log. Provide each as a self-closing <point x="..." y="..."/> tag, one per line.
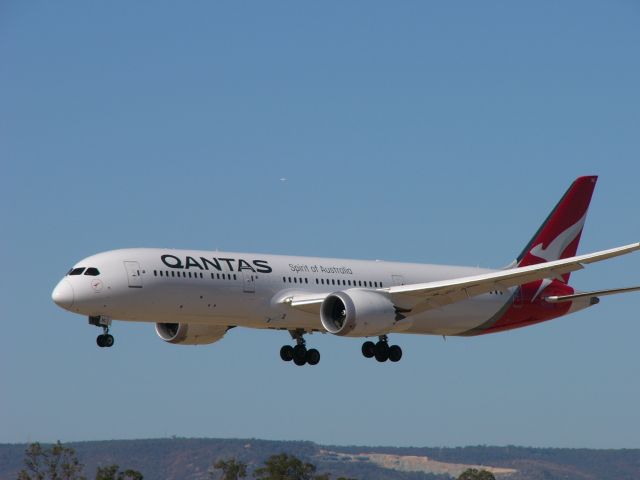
<point x="62" y="295"/>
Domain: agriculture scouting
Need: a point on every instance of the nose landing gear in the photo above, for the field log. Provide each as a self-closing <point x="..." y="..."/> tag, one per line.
<point x="299" y="353"/>
<point x="381" y="350"/>
<point x="106" y="339"/>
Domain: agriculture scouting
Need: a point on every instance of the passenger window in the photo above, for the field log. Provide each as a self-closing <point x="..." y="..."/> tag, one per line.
<point x="234" y="277"/>
<point x="306" y="280"/>
<point x="92" y="271"/>
<point x="333" y="281"/>
<point x="317" y="281"/>
<point x="77" y="271"/>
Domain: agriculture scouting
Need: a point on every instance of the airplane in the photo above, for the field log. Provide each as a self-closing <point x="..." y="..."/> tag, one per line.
<point x="194" y="297"/>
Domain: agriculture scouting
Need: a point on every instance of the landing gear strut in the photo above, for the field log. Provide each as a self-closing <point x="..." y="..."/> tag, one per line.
<point x="299" y="353"/>
<point x="106" y="339"/>
<point x="381" y="350"/>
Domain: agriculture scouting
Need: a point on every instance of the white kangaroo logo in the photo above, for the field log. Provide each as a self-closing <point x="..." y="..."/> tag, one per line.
<point x="560" y="243"/>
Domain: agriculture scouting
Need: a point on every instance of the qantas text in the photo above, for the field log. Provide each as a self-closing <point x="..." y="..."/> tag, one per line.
<point x="202" y="263"/>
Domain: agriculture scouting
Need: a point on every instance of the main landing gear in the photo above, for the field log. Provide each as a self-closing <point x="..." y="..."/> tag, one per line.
<point x="299" y="353"/>
<point x="381" y="350"/>
<point x="106" y="339"/>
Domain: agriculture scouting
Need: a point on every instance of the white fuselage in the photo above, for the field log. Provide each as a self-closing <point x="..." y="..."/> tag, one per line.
<point x="245" y="289"/>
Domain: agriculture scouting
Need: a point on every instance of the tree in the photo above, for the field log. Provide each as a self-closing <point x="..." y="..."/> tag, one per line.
<point x="61" y="463"/>
<point x="475" y="474"/>
<point x="55" y="463"/>
<point x="112" y="472"/>
<point x="231" y="469"/>
<point x="287" y="467"/>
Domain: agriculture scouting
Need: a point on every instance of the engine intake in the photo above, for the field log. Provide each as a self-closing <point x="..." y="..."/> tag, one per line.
<point x="357" y="313"/>
<point x="190" y="333"/>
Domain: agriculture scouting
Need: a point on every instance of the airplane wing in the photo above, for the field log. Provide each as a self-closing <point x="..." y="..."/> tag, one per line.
<point x="419" y="297"/>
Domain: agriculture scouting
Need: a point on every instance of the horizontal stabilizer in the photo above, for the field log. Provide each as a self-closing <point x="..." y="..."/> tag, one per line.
<point x="596" y="293"/>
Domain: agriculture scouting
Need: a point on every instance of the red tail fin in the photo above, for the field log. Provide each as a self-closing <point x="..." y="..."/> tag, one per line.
<point x="559" y="235"/>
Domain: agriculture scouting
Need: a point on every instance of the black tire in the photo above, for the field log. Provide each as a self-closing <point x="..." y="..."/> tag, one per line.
<point x="286" y="353"/>
<point x="368" y="349"/>
<point x="395" y="353"/>
<point x="313" y="356"/>
<point x="299" y="355"/>
<point x="100" y="340"/>
<point x="382" y="351"/>
<point x="108" y="341"/>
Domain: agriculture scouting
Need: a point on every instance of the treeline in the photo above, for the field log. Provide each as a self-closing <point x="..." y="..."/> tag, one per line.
<point x="59" y="462"/>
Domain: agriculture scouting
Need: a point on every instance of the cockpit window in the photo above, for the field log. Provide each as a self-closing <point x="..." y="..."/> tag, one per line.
<point x="92" y="271"/>
<point x="76" y="271"/>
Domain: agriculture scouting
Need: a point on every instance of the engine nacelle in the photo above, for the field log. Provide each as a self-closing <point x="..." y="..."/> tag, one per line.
<point x="190" y="333"/>
<point x="357" y="313"/>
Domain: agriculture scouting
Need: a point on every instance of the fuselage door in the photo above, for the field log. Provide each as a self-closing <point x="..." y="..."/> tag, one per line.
<point x="134" y="274"/>
<point x="249" y="282"/>
<point x="397" y="280"/>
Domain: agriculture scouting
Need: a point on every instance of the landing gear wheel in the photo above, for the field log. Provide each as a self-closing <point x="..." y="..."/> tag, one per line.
<point x="286" y="353"/>
<point x="382" y="351"/>
<point x="105" y="340"/>
<point x="368" y="349"/>
<point x="395" y="353"/>
<point x="312" y="357"/>
<point x="299" y="355"/>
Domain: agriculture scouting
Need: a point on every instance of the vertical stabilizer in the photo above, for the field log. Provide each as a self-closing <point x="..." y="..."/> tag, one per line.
<point x="559" y="234"/>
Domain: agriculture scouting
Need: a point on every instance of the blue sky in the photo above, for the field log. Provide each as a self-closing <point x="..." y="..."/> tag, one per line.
<point x="438" y="132"/>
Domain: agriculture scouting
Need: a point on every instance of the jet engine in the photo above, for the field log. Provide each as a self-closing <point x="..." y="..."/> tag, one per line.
<point x="357" y="313"/>
<point x="190" y="333"/>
